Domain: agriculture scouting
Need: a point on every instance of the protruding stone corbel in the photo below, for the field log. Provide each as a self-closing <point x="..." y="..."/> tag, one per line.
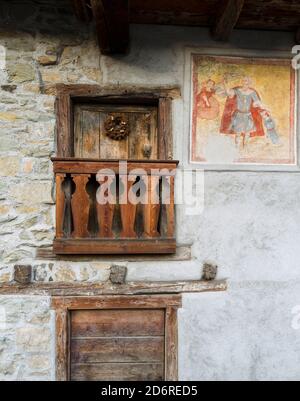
<point x="118" y="274"/>
<point x="23" y="274"/>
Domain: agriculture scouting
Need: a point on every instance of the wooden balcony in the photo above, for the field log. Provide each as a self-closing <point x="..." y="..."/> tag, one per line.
<point x="104" y="209"/>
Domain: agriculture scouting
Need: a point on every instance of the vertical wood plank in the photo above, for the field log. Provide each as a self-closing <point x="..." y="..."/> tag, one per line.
<point x="165" y="129"/>
<point x="90" y="134"/>
<point x="60" y="205"/>
<point x="62" y="345"/>
<point x="110" y="149"/>
<point x="80" y="206"/>
<point x="105" y="213"/>
<point x="170" y="208"/>
<point x="171" y="356"/>
<point x="128" y="211"/>
<point x="78" y="135"/>
<point x="143" y="135"/>
<point x="152" y="208"/>
<point x="64" y="126"/>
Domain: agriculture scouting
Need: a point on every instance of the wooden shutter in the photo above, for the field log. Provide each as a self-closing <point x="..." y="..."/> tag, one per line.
<point x="117" y="337"/>
<point x="91" y="140"/>
<point x="118" y="345"/>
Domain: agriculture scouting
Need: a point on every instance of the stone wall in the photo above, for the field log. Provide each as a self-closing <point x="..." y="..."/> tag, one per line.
<point x="249" y="227"/>
<point x="26" y="338"/>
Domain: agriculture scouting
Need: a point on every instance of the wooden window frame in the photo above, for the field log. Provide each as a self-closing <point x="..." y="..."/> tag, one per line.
<point x="67" y="96"/>
<point x="64" y="305"/>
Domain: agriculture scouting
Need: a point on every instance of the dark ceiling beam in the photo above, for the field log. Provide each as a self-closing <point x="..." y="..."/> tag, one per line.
<point x="227" y="19"/>
<point x="82" y="10"/>
<point x="297" y="36"/>
<point x="112" y="25"/>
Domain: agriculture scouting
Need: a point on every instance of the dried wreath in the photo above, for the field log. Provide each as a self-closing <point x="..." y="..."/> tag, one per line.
<point x="117" y="127"/>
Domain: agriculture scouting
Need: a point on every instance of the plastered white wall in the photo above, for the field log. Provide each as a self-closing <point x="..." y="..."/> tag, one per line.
<point x="250" y="227"/>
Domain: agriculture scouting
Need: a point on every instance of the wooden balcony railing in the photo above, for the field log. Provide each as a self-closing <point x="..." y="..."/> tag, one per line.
<point x="102" y="209"/>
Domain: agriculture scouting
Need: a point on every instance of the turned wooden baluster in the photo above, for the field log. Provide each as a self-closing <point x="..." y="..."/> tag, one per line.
<point x="80" y="206"/>
<point x="151" y="209"/>
<point x="60" y="205"/>
<point x="128" y="210"/>
<point x="168" y="185"/>
<point x="105" y="213"/>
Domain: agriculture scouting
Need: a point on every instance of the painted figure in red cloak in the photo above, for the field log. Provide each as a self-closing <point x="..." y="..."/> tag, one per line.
<point x="242" y="115"/>
<point x="208" y="105"/>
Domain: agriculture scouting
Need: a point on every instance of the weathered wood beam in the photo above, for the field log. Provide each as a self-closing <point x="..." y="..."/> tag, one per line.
<point x="113" y="91"/>
<point x="227" y="19"/>
<point x="106" y="288"/>
<point x="112" y="25"/>
<point x="82" y="10"/>
<point x="297" y="36"/>
<point x="183" y="253"/>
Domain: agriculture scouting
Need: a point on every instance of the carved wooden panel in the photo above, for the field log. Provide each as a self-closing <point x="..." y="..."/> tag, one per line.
<point x="116" y="132"/>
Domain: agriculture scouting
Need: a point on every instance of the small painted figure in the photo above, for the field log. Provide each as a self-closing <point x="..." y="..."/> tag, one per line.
<point x="270" y="126"/>
<point x="208" y="105"/>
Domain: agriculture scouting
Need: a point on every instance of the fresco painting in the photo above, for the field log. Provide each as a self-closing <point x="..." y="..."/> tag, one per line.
<point x="243" y="111"/>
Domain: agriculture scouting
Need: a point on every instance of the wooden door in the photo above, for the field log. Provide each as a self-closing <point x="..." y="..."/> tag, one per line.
<point x="96" y="132"/>
<point x="124" y="344"/>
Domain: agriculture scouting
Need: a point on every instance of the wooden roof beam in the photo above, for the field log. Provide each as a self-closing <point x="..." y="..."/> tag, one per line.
<point x="227" y="19"/>
<point x="112" y="25"/>
<point x="297" y="36"/>
<point x="82" y="10"/>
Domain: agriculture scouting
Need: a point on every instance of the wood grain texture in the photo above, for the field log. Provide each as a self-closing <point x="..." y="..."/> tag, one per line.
<point x="116" y="338"/>
<point x="165" y="129"/>
<point x="183" y="253"/>
<point x="108" y="350"/>
<point x="128" y="209"/>
<point x="117" y="323"/>
<point x="143" y="134"/>
<point x="118" y="372"/>
<point x="88" y="166"/>
<point x="93" y="246"/>
<point x="80" y="207"/>
<point x="105" y="213"/>
<point x="117" y="302"/>
<point x="169" y="204"/>
<point x="94" y="290"/>
<point x="92" y="141"/>
<point x="112" y="25"/>
<point x="62" y="344"/>
<point x="87" y="134"/>
<point x="64" y="126"/>
<point x="152" y="208"/>
<point x="229" y="16"/>
<point x="82" y="11"/>
<point x="171" y="363"/>
<point x="60" y="205"/>
<point x="257" y="14"/>
<point x="112" y="94"/>
<point x="110" y="149"/>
